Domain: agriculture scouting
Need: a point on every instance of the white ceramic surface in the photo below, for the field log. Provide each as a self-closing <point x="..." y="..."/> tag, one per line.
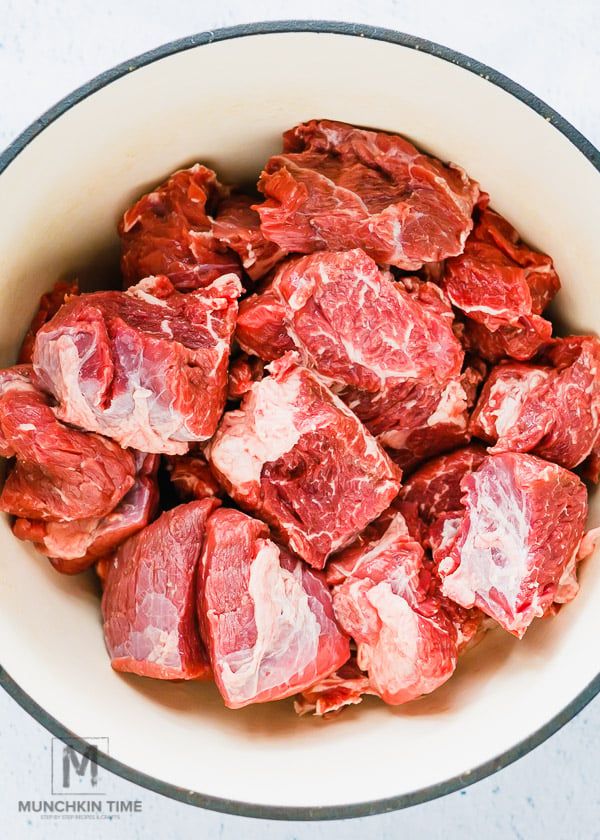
<point x="66" y="190"/>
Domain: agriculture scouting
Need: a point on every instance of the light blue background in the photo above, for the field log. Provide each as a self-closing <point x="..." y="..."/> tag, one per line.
<point x="49" y="48"/>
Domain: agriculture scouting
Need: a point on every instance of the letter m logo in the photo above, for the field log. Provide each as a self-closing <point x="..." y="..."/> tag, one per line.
<point x="80" y="763"/>
<point x="75" y="767"/>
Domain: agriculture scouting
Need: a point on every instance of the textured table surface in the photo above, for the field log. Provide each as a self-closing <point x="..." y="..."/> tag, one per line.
<point x="49" y="48"/>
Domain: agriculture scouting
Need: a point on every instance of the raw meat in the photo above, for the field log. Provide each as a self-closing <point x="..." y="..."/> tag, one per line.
<point x="427" y="420"/>
<point x="337" y="187"/>
<point x="260" y="329"/>
<point x="147" y="367"/>
<point x="266" y="618"/>
<point x="345" y="687"/>
<point x="191" y="476"/>
<point x="522" y="526"/>
<point x="553" y="412"/>
<point x="50" y="303"/>
<point x="406" y="642"/>
<point x="435" y="487"/>
<point x="243" y="372"/>
<point x="298" y="458"/>
<point x="358" y="328"/>
<point x="502" y="286"/>
<point x="59" y="473"/>
<point x="237" y="225"/>
<point x="169" y="231"/>
<point x="74" y="546"/>
<point x="387" y="349"/>
<point x="149" y="601"/>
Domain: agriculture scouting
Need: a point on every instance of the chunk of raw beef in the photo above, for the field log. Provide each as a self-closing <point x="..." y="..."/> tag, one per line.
<point x="354" y="325"/>
<point x="337" y="187"/>
<point x="244" y="371"/>
<point x="345" y="687"/>
<point x="266" y="618"/>
<point x="427" y="419"/>
<point x="74" y="546"/>
<point x="260" y="328"/>
<point x="192" y="477"/>
<point x="147" y="367"/>
<point x="169" y="231"/>
<point x="149" y="601"/>
<point x="50" y="303"/>
<point x="522" y="526"/>
<point x="552" y="411"/>
<point x="237" y="225"/>
<point x="298" y="458"/>
<point x="387" y="349"/>
<point x="59" y="472"/>
<point x="406" y="642"/>
<point x="435" y="487"/>
<point x="502" y="286"/>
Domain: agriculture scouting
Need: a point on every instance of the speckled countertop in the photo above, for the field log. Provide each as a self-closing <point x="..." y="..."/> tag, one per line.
<point x="551" y="47"/>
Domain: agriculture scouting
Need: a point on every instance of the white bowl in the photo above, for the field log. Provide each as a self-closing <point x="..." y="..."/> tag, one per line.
<point x="224" y="98"/>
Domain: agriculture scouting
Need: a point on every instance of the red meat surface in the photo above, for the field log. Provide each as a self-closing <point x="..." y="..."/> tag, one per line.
<point x="192" y="477"/>
<point x="237" y="225"/>
<point x="298" y="458"/>
<point x="50" y="303"/>
<point x="345" y="687"/>
<point x="354" y="325"/>
<point x="426" y="420"/>
<point x="149" y="600"/>
<point x="337" y="187"/>
<point x="522" y="527"/>
<point x="553" y="412"/>
<point x="435" y="487"/>
<point x="146" y="367"/>
<point x="387" y="349"/>
<point x="406" y="642"/>
<point x="260" y="328"/>
<point x="502" y="286"/>
<point x="169" y="232"/>
<point x="244" y="371"/>
<point x="74" y="546"/>
<point x="266" y="618"/>
<point x="59" y="472"/>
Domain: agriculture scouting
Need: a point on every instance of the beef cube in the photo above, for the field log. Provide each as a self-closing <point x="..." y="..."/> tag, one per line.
<point x="266" y="618"/>
<point x="337" y="187"/>
<point x="169" y="232"/>
<point x="550" y="411"/>
<point x="237" y="225"/>
<point x="59" y="472"/>
<point x="502" y="286"/>
<point x="522" y="526"/>
<point x="74" y="546"/>
<point x="436" y="486"/>
<point x="406" y="641"/>
<point x="353" y="324"/>
<point x="149" y="600"/>
<point x="260" y="328"/>
<point x="387" y="349"/>
<point x="147" y="367"/>
<point x="298" y="458"/>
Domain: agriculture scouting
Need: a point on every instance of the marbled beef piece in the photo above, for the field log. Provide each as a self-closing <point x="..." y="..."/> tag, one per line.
<point x="146" y="367"/>
<point x="336" y="187"/>
<point x="294" y="455"/>
<point x="266" y="618"/>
